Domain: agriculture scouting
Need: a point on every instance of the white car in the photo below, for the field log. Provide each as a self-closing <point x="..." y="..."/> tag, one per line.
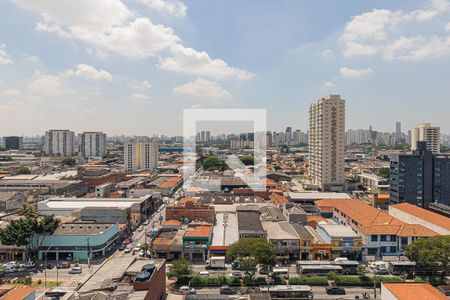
<point x="141" y="253"/>
<point x="137" y="249"/>
<point x="10" y="269"/>
<point x="204" y="273"/>
<point x="127" y="249"/>
<point x="186" y="290"/>
<point x="29" y="264"/>
<point x="140" y="228"/>
<point x="146" y="222"/>
<point x="14" y="264"/>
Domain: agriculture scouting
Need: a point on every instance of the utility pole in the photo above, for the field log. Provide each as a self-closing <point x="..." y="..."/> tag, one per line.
<point x="57" y="268"/>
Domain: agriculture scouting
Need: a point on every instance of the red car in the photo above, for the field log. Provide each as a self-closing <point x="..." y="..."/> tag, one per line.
<point x="127" y="241"/>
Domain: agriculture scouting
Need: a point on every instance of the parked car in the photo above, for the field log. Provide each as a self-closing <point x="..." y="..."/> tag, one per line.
<point x="63" y="265"/>
<point x="141" y="253"/>
<point x="335" y="290"/>
<point x="75" y="270"/>
<point x="137" y="249"/>
<point x="226" y="290"/>
<point x="236" y="275"/>
<point x="235" y="265"/>
<point x="382" y="271"/>
<point x="204" y="273"/>
<point x="140" y="228"/>
<point x="127" y="249"/>
<point x="10" y="269"/>
<point x="49" y="266"/>
<point x="29" y="264"/>
<point x="146" y="222"/>
<point x="187" y="290"/>
<point x="122" y="247"/>
<point x="14" y="264"/>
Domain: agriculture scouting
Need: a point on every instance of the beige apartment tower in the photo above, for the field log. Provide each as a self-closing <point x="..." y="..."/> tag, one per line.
<point x="426" y="133"/>
<point x="141" y="156"/>
<point x="327" y="142"/>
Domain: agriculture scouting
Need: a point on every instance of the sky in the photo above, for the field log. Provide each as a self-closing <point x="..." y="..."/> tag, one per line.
<point x="132" y="66"/>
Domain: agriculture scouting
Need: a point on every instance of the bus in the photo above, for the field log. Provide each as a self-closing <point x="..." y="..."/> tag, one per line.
<point x="282" y="273"/>
<point x="295" y="292"/>
<point x="319" y="270"/>
<point x="402" y="267"/>
<point x="349" y="267"/>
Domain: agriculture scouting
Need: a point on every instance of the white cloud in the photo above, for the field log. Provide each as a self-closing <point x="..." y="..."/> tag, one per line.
<point x="140" y="97"/>
<point x="384" y="31"/>
<point x="347" y="72"/>
<point x="436" y="8"/>
<point x="143" y="85"/>
<point x="107" y="24"/>
<point x="48" y="85"/>
<point x="189" y="61"/>
<point x="173" y="8"/>
<point x="89" y="72"/>
<point x="101" y="54"/>
<point x="98" y="14"/>
<point x="328" y="84"/>
<point x="12" y="92"/>
<point x="4" y="57"/>
<point x="203" y="87"/>
<point x="447" y="27"/>
<point x="327" y="53"/>
<point x="355" y="49"/>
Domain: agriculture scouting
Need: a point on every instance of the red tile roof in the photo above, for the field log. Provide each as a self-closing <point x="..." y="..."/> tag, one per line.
<point x="200" y="230"/>
<point x="19" y="293"/>
<point x="424" y="214"/>
<point x="414" y="291"/>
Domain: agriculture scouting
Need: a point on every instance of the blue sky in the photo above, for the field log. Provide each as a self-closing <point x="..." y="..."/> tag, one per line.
<point x="132" y="66"/>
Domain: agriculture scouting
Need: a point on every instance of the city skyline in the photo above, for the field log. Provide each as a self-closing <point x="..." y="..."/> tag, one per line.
<point x="145" y="62"/>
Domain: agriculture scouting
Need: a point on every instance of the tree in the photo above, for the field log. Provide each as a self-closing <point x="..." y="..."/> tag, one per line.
<point x="69" y="161"/>
<point x="128" y="218"/>
<point x="252" y="251"/>
<point x="27" y="211"/>
<point x="180" y="269"/>
<point x="383" y="172"/>
<point x="213" y="163"/>
<point x="430" y="253"/>
<point x="248" y="265"/>
<point x="27" y="229"/>
<point x="247" y="160"/>
<point x="23" y="171"/>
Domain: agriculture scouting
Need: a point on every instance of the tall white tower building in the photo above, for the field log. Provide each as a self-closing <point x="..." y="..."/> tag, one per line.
<point x="141" y="156"/>
<point x="59" y="142"/>
<point x="426" y="133"/>
<point x="92" y="144"/>
<point x="327" y="142"/>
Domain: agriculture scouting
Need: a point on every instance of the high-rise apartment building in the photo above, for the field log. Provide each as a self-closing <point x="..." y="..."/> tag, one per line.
<point x="420" y="178"/>
<point x="141" y="156"/>
<point x="288" y="135"/>
<point x="327" y="142"/>
<point x="59" y="142"/>
<point x="12" y="142"/>
<point x="398" y="133"/>
<point x="426" y="133"/>
<point x="92" y="144"/>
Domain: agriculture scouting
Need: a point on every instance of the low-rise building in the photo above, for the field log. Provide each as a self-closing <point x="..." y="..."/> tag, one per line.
<point x="344" y="241"/>
<point x="11" y="201"/>
<point x="413" y="214"/>
<point x="191" y="211"/>
<point x="78" y="240"/>
<point x="225" y="233"/>
<point x="196" y="242"/>
<point x="249" y="223"/>
<point x="382" y="234"/>
<point x="410" y="291"/>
